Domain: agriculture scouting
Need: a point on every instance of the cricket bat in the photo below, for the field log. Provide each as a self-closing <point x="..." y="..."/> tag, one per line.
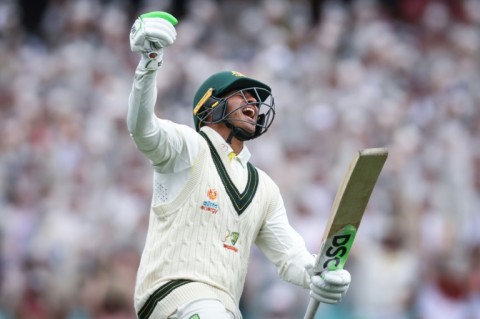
<point x="346" y="213"/>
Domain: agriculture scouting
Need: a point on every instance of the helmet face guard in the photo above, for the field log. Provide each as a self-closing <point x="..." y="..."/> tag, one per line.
<point x="214" y="110"/>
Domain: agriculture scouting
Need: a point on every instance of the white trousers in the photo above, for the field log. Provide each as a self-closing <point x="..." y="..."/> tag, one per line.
<point x="202" y="309"/>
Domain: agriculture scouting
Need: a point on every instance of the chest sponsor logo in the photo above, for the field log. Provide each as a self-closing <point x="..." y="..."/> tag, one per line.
<point x="210" y="205"/>
<point x="212" y="194"/>
<point x="230" y="240"/>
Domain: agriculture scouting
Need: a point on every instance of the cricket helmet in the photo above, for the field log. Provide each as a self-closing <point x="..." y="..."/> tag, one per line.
<point x="210" y="102"/>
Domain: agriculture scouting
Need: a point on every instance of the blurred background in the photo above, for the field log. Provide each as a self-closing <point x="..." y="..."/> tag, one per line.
<point x="346" y="75"/>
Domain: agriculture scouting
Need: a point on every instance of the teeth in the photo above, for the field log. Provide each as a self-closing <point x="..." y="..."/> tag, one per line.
<point x="248" y="111"/>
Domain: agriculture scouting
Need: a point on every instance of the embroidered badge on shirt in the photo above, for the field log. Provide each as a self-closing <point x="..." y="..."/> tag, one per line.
<point x="211" y="204"/>
<point x="233" y="238"/>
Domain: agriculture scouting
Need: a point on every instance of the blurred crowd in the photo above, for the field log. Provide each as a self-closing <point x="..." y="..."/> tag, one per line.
<point x="346" y="75"/>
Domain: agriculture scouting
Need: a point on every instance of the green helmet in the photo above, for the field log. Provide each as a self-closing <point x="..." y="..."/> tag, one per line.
<point x="210" y="99"/>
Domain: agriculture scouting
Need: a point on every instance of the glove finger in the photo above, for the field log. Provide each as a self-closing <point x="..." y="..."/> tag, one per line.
<point x="327" y="294"/>
<point x="164" y="41"/>
<point x="160" y="34"/>
<point x="337" y="277"/>
<point x="156" y="28"/>
<point x="320" y="281"/>
<point x="329" y="289"/>
<point x="161" y="31"/>
<point x="320" y="287"/>
<point x="155" y="44"/>
<point x="163" y="38"/>
<point x="159" y="23"/>
<point x="330" y="299"/>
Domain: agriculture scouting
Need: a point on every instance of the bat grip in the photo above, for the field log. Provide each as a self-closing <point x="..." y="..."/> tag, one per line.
<point x="311" y="309"/>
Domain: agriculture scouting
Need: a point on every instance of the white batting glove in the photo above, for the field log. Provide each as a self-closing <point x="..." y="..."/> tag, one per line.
<point x="150" y="33"/>
<point x="330" y="286"/>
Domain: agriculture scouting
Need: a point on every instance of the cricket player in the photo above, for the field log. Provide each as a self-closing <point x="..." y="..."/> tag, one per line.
<point x="210" y="204"/>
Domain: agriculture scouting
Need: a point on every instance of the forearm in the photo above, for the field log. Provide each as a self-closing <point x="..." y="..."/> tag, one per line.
<point x="141" y="120"/>
<point x="285" y="248"/>
<point x="291" y="260"/>
<point x="172" y="146"/>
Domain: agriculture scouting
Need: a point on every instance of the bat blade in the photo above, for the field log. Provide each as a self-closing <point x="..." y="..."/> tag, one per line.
<point x="347" y="211"/>
<point x="348" y="207"/>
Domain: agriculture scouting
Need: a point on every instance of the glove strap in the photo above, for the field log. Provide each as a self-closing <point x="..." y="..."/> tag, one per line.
<point x="151" y="60"/>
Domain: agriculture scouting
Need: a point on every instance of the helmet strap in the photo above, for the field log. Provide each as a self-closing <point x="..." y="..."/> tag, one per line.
<point x="238" y="132"/>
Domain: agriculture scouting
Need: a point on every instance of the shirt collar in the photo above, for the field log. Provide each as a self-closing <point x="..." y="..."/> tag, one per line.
<point x="223" y="147"/>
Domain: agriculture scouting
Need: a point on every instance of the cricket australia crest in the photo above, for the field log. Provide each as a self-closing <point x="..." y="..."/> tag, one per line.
<point x="230" y="240"/>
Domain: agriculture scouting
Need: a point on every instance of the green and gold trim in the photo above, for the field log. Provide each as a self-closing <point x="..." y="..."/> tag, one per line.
<point x="158" y="295"/>
<point x="239" y="200"/>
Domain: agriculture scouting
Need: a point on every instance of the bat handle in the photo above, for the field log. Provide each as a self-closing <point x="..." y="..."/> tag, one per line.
<point x="311" y="309"/>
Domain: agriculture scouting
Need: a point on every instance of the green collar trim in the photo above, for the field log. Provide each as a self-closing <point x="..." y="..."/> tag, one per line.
<point x="239" y="200"/>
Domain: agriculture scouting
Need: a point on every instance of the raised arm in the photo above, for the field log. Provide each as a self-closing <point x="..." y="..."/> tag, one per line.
<point x="150" y="33"/>
<point x="169" y="146"/>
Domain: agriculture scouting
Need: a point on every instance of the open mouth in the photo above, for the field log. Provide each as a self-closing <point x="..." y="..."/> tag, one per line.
<point x="249" y="111"/>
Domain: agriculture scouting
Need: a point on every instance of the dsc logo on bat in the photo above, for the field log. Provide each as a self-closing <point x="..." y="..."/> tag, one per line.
<point x="337" y="248"/>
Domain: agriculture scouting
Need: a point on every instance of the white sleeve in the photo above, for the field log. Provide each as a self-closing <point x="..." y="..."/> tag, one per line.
<point x="170" y="147"/>
<point x="285" y="248"/>
<point x="141" y="121"/>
